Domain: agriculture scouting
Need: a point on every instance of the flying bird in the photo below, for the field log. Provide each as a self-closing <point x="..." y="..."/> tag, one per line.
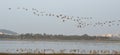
<point x="9" y="8"/>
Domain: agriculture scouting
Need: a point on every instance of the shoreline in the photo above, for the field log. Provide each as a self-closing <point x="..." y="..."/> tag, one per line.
<point x="94" y="41"/>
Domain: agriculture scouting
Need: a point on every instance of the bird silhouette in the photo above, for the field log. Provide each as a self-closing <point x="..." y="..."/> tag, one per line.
<point x="81" y="22"/>
<point x="9" y="8"/>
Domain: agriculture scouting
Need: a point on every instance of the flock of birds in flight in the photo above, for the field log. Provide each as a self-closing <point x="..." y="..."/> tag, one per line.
<point x="80" y="21"/>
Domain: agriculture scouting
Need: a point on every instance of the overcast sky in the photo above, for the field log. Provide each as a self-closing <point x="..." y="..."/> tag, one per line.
<point x="25" y="22"/>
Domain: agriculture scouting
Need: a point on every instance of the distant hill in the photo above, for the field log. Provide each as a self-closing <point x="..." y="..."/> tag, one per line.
<point x="4" y="31"/>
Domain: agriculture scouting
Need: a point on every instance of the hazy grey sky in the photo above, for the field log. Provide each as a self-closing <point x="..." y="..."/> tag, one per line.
<point x="25" y="22"/>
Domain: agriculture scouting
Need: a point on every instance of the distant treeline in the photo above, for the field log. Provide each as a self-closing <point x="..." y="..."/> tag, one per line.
<point x="30" y="36"/>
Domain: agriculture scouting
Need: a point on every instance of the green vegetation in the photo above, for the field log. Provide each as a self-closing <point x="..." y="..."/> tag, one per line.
<point x="30" y="36"/>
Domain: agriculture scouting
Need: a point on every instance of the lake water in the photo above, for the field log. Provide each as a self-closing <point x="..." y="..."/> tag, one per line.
<point x="57" y="46"/>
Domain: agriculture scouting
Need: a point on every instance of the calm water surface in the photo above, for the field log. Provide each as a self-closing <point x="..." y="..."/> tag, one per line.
<point x="12" y="46"/>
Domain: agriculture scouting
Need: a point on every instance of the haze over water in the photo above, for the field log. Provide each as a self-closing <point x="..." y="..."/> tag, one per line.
<point x="23" y="16"/>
